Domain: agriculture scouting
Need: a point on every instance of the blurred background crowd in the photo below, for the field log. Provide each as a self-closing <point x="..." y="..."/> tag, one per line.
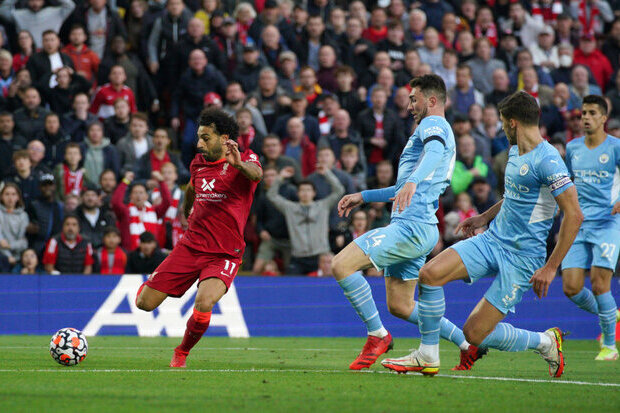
<point x="100" y="98"/>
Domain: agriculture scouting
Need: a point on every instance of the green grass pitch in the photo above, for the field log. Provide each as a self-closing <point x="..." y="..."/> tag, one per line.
<point x="291" y="375"/>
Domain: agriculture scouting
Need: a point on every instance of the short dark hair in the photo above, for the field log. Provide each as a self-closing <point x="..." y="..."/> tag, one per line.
<point x="77" y="26"/>
<point x="597" y="100"/>
<point x="5" y="114"/>
<point x="71" y="216"/>
<point x="72" y="145"/>
<point x="140" y="116"/>
<point x="111" y="229"/>
<point x="147" y="236"/>
<point x="430" y="85"/>
<point x="222" y="122"/>
<point x="45" y="33"/>
<point x="306" y="182"/>
<point x="520" y="106"/>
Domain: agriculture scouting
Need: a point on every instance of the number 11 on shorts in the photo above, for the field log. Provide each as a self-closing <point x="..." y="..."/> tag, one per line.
<point x="229" y="267"/>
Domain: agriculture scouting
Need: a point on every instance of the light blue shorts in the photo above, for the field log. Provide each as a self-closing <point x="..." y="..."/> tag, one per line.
<point x="484" y="256"/>
<point x="400" y="248"/>
<point x="596" y="247"/>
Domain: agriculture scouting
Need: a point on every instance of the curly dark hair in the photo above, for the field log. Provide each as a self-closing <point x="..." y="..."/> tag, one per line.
<point x="520" y="106"/>
<point x="222" y="123"/>
<point x="430" y="85"/>
<point x="597" y="100"/>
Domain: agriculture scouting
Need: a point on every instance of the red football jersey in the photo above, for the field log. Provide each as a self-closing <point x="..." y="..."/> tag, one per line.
<point x="221" y="206"/>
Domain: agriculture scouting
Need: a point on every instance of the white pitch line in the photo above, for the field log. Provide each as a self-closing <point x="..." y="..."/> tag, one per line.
<point x="450" y="376"/>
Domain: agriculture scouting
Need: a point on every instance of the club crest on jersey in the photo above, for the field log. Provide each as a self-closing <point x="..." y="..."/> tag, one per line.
<point x="224" y="169"/>
<point x="524" y="169"/>
<point x="207" y="185"/>
<point x="604" y="158"/>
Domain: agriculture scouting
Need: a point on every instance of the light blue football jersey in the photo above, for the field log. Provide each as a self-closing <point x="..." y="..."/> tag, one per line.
<point x="596" y="173"/>
<point x="531" y="182"/>
<point x="425" y="201"/>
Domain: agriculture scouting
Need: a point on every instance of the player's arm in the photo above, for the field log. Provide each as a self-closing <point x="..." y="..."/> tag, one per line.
<point x="249" y="169"/>
<point x="188" y="203"/>
<point x="469" y="226"/>
<point x="434" y="146"/>
<point x="352" y="201"/>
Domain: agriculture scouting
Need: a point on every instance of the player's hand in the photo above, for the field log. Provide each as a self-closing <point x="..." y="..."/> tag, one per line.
<point x="403" y="198"/>
<point x="287" y="172"/>
<point x="156" y="175"/>
<point x="349" y="202"/>
<point x="616" y="209"/>
<point x="233" y="156"/>
<point x="264" y="235"/>
<point x="4" y="244"/>
<point x="470" y="226"/>
<point x="541" y="280"/>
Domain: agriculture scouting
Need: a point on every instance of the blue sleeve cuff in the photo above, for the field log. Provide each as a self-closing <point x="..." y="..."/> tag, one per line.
<point x="378" y="195"/>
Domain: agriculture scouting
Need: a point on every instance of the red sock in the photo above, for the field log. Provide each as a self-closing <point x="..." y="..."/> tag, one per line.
<point x="196" y="327"/>
<point x="139" y="291"/>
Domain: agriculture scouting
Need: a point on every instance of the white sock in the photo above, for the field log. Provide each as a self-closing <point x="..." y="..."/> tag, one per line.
<point x="545" y="343"/>
<point x="429" y="352"/>
<point x="464" y="345"/>
<point x="382" y="332"/>
<point x="610" y="347"/>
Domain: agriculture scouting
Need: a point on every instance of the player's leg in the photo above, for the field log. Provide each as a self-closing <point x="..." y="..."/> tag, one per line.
<point x="149" y="298"/>
<point x="574" y="289"/>
<point x="608" y="311"/>
<point x="210" y="291"/>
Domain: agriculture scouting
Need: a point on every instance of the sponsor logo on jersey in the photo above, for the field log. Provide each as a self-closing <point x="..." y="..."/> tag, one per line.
<point x="253" y="157"/>
<point x="604" y="158"/>
<point x="207" y="185"/>
<point x="514" y="189"/>
<point x="589" y="176"/>
<point x="524" y="169"/>
<point x="432" y="131"/>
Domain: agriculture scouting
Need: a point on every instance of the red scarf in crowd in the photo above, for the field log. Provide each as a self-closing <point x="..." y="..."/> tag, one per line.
<point x="246" y="139"/>
<point x="74" y="181"/>
<point x="588" y="25"/>
<point x="490" y="33"/>
<point x="548" y="13"/>
<point x="171" y="214"/>
<point x="118" y="266"/>
<point x="324" y="123"/>
<point x="534" y="93"/>
<point x="376" y="155"/>
<point x="141" y="221"/>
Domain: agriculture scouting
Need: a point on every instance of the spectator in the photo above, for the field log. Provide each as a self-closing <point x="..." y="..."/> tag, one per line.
<point x="111" y="257"/>
<point x="613" y="95"/>
<point x="542" y="93"/>
<point x="308" y="84"/>
<point x="377" y="29"/>
<point x="26" y="48"/>
<point x="561" y="74"/>
<point x="464" y="94"/>
<point x="544" y="52"/>
<point x="522" y="24"/>
<point x="299" y="106"/>
<point x="147" y="257"/>
<point x="249" y="137"/>
<point x="249" y="69"/>
<point x="380" y="130"/>
<point x="117" y="125"/>
<point x="337" y="23"/>
<point x="138" y="215"/>
<point x="491" y="130"/>
<point x="235" y="100"/>
<point x="288" y="76"/>
<point x="46" y="62"/>
<point x="24" y="177"/>
<point x="159" y="155"/>
<point x="306" y="220"/>
<point x="137" y="142"/>
<point x="447" y="71"/>
<point x="346" y="95"/>
<point x="9" y="143"/>
<point x="611" y="46"/>
<point x="230" y="46"/>
<point x="592" y="15"/>
<point x="563" y="99"/>
<point x="435" y="9"/>
<point x="72" y="201"/>
<point x="580" y="85"/>
<point x="107" y="184"/>
<point x="507" y="50"/>
<point x="174" y="220"/>
<point x="103" y="102"/>
<point x="271" y="45"/>
<point x="271" y="15"/>
<point x="17" y="89"/>
<point x="269" y="98"/>
<point x="432" y="51"/>
<point x="85" y="61"/>
<point x="197" y="38"/>
<point x="37" y="18"/>
<point x="356" y="51"/>
<point x="54" y="140"/>
<point x="99" y="154"/>
<point x="271" y="224"/>
<point x="137" y="78"/>
<point x="272" y="156"/>
<point x="501" y="87"/>
<point x="101" y="21"/>
<point x="350" y="163"/>
<point x="484" y="65"/>
<point x="573" y="129"/>
<point x="547" y="11"/>
<point x="200" y="79"/>
<point x="342" y="134"/>
<point x="76" y="122"/>
<point x="465" y="46"/>
<point x="468" y="165"/>
<point x="245" y="14"/>
<point x="30" y="120"/>
<point x="327" y="107"/>
<point x="484" y="27"/>
<point x="587" y="54"/>
<point x="464" y="209"/>
<point x="13" y="223"/>
<point x="383" y="177"/>
<point x="94" y="217"/>
<point x="482" y="194"/>
<point x="325" y="266"/>
<point x="68" y="252"/>
<point x="45" y="214"/>
<point x="566" y="31"/>
<point x="328" y="65"/>
<point x="462" y="125"/>
<point x="395" y="45"/>
<point x="6" y="75"/>
<point x="69" y="174"/>
<point x="525" y="61"/>
<point x="36" y="153"/>
<point x="28" y="263"/>
<point x="298" y="146"/>
<point x="68" y="85"/>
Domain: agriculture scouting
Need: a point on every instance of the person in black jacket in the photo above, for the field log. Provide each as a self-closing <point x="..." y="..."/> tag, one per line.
<point x="54" y="139"/>
<point x="271" y="15"/>
<point x="45" y="214"/>
<point x="68" y="252"/>
<point x="157" y="156"/>
<point x="198" y="80"/>
<point x="30" y="120"/>
<point x="93" y="217"/>
<point x="75" y="122"/>
<point x="381" y="130"/>
<point x="197" y="39"/>
<point x="249" y="69"/>
<point x="147" y="257"/>
<point x="356" y="51"/>
<point x="9" y="143"/>
<point x="39" y="65"/>
<point x="68" y="84"/>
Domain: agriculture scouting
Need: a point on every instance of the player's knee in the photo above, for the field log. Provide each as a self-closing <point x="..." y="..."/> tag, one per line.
<point x="338" y="267"/>
<point x="428" y="275"/>
<point x="205" y="304"/>
<point x="571" y="289"/>
<point x="143" y="304"/>
<point x="600" y="286"/>
<point x="400" y="309"/>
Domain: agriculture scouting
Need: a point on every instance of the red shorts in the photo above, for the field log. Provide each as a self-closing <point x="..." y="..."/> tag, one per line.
<point x="184" y="266"/>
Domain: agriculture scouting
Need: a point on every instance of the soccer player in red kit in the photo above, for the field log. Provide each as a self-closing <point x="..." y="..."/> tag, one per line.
<point x="217" y="204"/>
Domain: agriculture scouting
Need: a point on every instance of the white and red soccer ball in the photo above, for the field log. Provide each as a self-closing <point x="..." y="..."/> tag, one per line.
<point x="68" y="346"/>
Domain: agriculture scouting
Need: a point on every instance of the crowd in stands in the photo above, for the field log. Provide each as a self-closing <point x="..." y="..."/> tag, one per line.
<point x="100" y="98"/>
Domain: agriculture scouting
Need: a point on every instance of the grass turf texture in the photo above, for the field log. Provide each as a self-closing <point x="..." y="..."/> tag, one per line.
<point x="291" y="374"/>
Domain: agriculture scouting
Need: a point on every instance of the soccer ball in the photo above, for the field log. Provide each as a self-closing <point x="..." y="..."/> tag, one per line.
<point x="68" y="346"/>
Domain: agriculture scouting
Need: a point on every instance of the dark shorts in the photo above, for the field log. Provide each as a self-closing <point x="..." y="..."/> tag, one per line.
<point x="180" y="270"/>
